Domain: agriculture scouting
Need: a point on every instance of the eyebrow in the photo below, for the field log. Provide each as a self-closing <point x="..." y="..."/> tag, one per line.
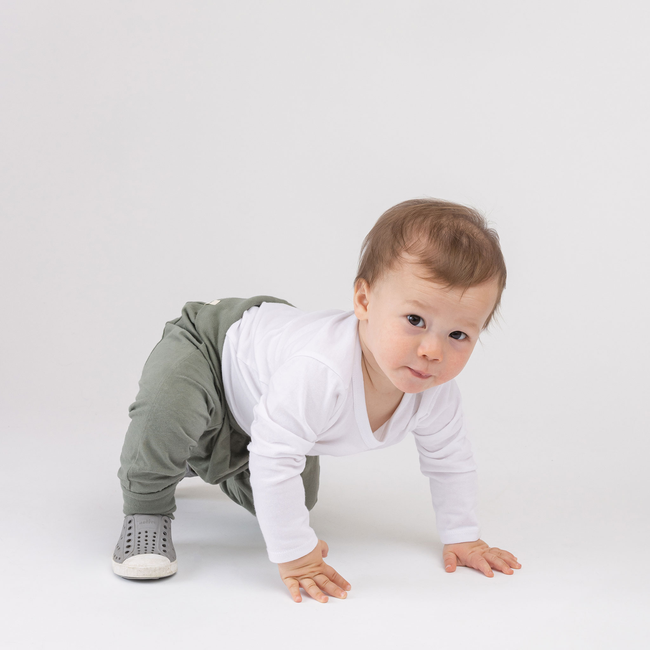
<point x="417" y="303"/>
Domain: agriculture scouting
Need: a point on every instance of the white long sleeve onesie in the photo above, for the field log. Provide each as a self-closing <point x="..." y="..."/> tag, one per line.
<point x="294" y="383"/>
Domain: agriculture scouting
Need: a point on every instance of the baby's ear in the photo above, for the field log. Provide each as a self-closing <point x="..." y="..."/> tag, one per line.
<point x="360" y="285"/>
<point x="360" y="297"/>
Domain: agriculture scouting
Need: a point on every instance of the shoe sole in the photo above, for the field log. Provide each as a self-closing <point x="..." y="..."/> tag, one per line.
<point x="146" y="566"/>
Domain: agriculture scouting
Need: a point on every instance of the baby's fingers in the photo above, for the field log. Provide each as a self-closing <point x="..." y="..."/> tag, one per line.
<point x="508" y="557"/>
<point x="294" y="589"/>
<point x="450" y="562"/>
<point x="502" y="560"/>
<point x="337" y="578"/>
<point x="498" y="563"/>
<point x="310" y="586"/>
<point x="329" y="586"/>
<point x="479" y="563"/>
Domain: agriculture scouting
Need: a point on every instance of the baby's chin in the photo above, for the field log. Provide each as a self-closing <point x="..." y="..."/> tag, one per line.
<point x="414" y="391"/>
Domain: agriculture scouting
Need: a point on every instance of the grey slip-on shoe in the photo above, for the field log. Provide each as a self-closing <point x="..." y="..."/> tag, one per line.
<point x="145" y="550"/>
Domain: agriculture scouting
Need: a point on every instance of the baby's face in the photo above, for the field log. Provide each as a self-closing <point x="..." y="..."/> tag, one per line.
<point x="409" y="325"/>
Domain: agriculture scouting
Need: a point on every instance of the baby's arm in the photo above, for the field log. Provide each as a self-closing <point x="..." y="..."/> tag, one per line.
<point x="446" y="458"/>
<point x="297" y="405"/>
<point x="478" y="555"/>
<point x="312" y="574"/>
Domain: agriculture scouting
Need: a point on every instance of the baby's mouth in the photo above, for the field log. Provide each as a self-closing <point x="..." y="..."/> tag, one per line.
<point x="417" y="374"/>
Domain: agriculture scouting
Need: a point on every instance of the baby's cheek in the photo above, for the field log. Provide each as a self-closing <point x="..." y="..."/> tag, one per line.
<point x="456" y="366"/>
<point x="441" y="379"/>
<point x="393" y="354"/>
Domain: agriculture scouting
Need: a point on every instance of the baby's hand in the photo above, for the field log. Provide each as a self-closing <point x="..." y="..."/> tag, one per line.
<point x="480" y="556"/>
<point x="310" y="573"/>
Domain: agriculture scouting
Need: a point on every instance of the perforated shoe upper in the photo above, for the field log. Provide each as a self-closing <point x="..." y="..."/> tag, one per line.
<point x="145" y="534"/>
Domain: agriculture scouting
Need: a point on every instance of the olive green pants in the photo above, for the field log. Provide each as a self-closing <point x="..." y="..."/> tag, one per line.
<point x="180" y="416"/>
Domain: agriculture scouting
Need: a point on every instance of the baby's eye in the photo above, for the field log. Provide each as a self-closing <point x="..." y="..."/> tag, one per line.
<point x="415" y="317"/>
<point x="459" y="336"/>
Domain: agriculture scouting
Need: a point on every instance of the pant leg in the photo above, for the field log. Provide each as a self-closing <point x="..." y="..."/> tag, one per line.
<point x="176" y="404"/>
<point x="238" y="487"/>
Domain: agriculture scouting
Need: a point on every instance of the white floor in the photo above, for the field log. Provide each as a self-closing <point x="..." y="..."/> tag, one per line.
<point x="584" y="582"/>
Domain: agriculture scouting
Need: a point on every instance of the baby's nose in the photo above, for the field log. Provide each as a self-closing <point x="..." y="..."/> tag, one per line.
<point x="432" y="349"/>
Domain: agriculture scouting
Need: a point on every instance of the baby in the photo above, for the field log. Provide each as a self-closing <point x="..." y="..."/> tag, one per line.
<point x="248" y="393"/>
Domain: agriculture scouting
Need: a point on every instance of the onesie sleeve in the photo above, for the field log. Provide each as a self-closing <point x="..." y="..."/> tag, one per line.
<point x="446" y="459"/>
<point x="299" y="403"/>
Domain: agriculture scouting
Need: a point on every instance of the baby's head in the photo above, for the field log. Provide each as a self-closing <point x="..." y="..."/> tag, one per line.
<point x="430" y="278"/>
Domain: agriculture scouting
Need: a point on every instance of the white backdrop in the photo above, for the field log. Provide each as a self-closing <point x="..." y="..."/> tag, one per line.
<point x="154" y="153"/>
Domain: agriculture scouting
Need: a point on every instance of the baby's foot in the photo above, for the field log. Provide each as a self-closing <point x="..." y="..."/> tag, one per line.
<point x="145" y="550"/>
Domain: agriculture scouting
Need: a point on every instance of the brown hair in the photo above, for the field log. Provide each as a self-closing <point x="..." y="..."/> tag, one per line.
<point x="452" y="243"/>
